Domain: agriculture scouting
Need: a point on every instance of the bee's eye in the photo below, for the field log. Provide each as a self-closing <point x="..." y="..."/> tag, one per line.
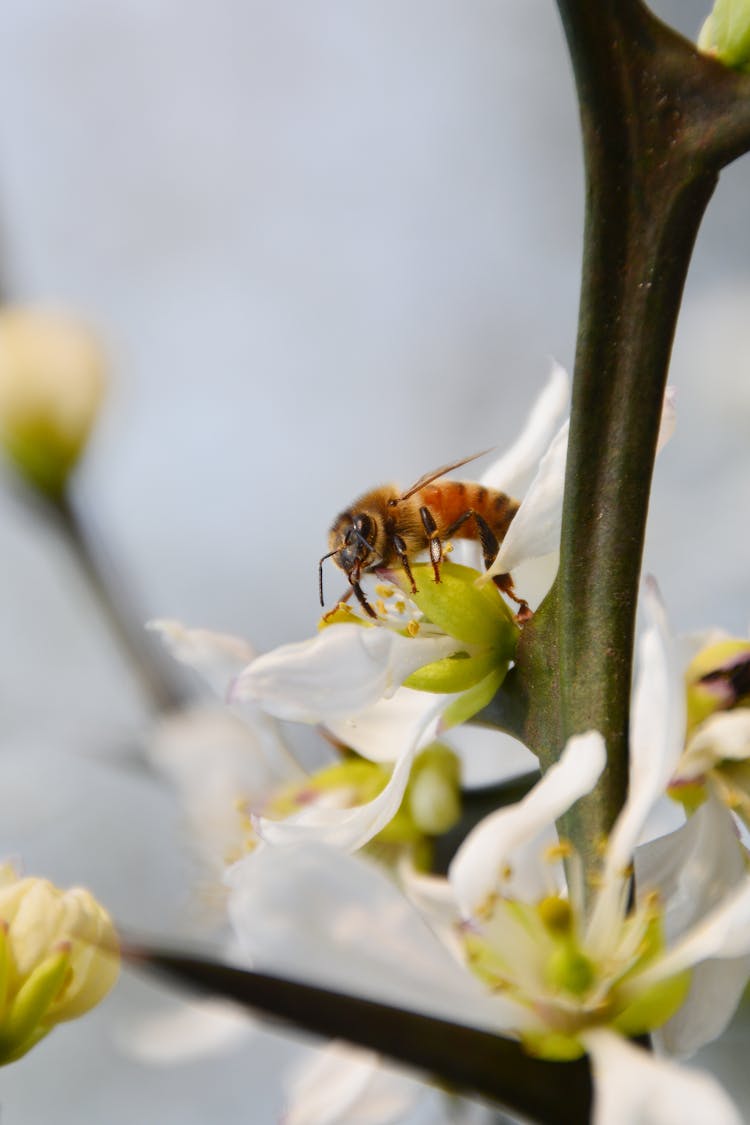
<point x="363" y="524"/>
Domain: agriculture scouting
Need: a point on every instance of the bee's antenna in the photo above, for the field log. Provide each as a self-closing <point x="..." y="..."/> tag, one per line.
<point x="320" y="574"/>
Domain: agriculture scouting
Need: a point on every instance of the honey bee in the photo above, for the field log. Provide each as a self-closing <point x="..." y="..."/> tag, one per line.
<point x="386" y="527"/>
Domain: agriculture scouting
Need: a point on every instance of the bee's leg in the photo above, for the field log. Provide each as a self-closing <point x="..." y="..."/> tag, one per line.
<point x="399" y="547"/>
<point x="504" y="582"/>
<point x="360" y="596"/>
<point x="490" y="546"/>
<point x="433" y="540"/>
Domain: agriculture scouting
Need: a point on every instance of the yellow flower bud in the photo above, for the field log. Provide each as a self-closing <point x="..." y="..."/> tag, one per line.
<point x="58" y="958"/>
<point x="51" y="386"/>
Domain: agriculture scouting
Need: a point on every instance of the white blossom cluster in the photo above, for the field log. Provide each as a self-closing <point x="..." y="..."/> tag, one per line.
<point x="513" y="940"/>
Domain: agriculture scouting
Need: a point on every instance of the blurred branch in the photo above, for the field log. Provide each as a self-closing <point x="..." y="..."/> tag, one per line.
<point x="463" y="1058"/>
<point x="158" y="681"/>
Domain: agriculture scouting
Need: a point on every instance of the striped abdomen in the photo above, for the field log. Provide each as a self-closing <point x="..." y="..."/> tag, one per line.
<point x="449" y="500"/>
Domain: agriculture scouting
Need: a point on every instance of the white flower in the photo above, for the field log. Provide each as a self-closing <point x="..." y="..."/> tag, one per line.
<point x="350" y="677"/>
<point x="567" y="975"/>
<point x="254" y="778"/>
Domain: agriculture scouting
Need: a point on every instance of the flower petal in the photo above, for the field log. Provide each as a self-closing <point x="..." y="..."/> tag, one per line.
<point x="657" y="732"/>
<point x="668" y="418"/>
<point x="724" y="932"/>
<point x="633" y="1085"/>
<point x="317" y="914"/>
<point x="350" y="829"/>
<point x="693" y="870"/>
<point x="535" y="529"/>
<point x="186" y="1032"/>
<point x="220" y="769"/>
<point x="340" y="1085"/>
<point x="512" y="472"/>
<point x="503" y="838"/>
<point x="489" y="756"/>
<point x="724" y="735"/>
<point x="218" y="657"/>
<point x="343" y="669"/>
<point x="380" y="731"/>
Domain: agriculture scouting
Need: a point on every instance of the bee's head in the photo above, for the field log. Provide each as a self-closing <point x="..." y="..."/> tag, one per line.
<point x="351" y="541"/>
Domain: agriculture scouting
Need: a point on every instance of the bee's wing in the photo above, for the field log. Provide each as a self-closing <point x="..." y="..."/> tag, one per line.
<point x="441" y="472"/>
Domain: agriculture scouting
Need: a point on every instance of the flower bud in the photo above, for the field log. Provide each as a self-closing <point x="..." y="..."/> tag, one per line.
<point x="51" y="386"/>
<point x="726" y="34"/>
<point x="58" y="958"/>
<point x="434" y="791"/>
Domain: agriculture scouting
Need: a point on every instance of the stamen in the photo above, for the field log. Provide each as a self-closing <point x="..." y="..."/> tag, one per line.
<point x="563" y="849"/>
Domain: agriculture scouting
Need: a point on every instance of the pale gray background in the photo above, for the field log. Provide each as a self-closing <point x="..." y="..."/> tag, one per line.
<point x="327" y="243"/>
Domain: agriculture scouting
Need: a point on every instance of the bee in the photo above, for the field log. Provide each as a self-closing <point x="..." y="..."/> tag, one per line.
<point x="387" y="527"/>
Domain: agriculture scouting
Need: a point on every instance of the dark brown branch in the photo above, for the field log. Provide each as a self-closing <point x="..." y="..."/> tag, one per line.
<point x="462" y="1058"/>
<point x="659" y="121"/>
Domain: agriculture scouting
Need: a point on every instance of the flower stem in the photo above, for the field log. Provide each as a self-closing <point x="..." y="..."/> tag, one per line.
<point x="659" y="121"/>
<point x="159" y="686"/>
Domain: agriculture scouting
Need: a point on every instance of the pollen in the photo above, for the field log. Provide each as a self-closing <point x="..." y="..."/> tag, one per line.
<point x="413" y="628"/>
<point x="384" y="591"/>
<point x="563" y="849"/>
<point x="733" y="798"/>
<point x="486" y="908"/>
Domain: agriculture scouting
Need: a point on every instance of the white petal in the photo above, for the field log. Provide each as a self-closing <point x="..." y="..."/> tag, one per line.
<point x="343" y="669"/>
<point x="668" y="418"/>
<point x="725" y="734"/>
<point x="435" y="900"/>
<point x="341" y="1085"/>
<point x="185" y="1033"/>
<point x="535" y="530"/>
<point x="503" y="838"/>
<point x="218" y="657"/>
<point x="716" y="988"/>
<point x="724" y="932"/>
<point x="631" y="1085"/>
<point x="489" y="756"/>
<point x="693" y="870"/>
<point x="217" y="763"/>
<point x="533" y="578"/>
<point x="350" y="829"/>
<point x="380" y="731"/>
<point x="657" y="732"/>
<point x="317" y="914"/>
<point x="513" y="471"/>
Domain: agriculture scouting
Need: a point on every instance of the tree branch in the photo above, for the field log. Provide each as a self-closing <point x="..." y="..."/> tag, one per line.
<point x="659" y="120"/>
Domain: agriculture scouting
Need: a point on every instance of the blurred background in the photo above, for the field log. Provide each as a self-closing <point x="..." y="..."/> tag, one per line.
<point x="326" y="245"/>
